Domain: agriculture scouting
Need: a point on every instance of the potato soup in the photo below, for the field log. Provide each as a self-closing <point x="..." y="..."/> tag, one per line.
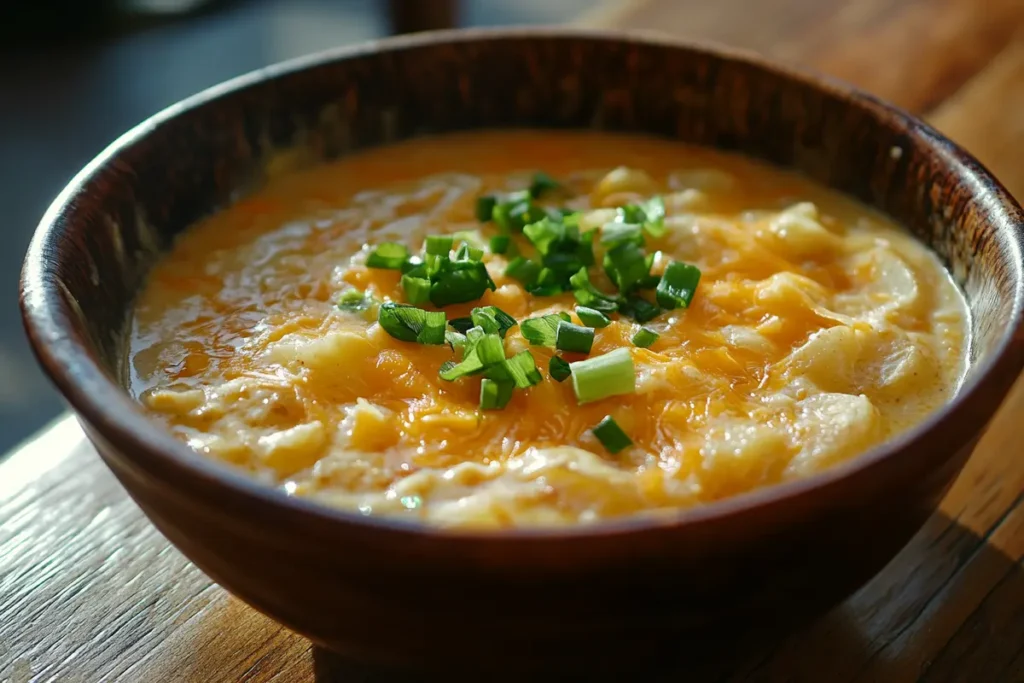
<point x="507" y="329"/>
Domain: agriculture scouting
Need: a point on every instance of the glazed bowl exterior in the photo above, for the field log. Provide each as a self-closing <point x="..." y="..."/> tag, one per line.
<point x="388" y="591"/>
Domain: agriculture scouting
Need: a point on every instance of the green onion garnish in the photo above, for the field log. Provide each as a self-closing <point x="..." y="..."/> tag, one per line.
<point x="592" y="317"/>
<point x="417" y="289"/>
<point x="563" y="251"/>
<point x="490" y="350"/>
<point x="471" y="237"/>
<point x="485" y="207"/>
<point x="521" y="369"/>
<point x="494" y="394"/>
<point x="542" y="183"/>
<point x="569" y="337"/>
<point x="492" y="320"/>
<point x="632" y="213"/>
<point x="499" y="244"/>
<point x="467" y="252"/>
<point x="559" y="369"/>
<point x="611" y="436"/>
<point x="639" y="309"/>
<point x="479" y="351"/>
<point x="439" y="245"/>
<point x="650" y="214"/>
<point x="677" y="285"/>
<point x="614" y="234"/>
<point x="389" y="255"/>
<point x="523" y="270"/>
<point x="412" y="324"/>
<point x="543" y="331"/>
<point x="354" y="301"/>
<point x="654" y="210"/>
<point x="627" y="266"/>
<point x="545" y="233"/>
<point x="456" y="340"/>
<point x="414" y="265"/>
<point x="590" y="296"/>
<point x="459" y="281"/>
<point x="516" y="211"/>
<point x="462" y="325"/>
<point x="644" y="337"/>
<point x="433" y="330"/>
<point x="611" y="374"/>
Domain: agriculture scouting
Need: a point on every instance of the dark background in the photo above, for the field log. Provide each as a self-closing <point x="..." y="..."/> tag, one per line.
<point x="75" y="75"/>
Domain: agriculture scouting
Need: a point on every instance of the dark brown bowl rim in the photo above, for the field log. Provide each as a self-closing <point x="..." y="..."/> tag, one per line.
<point x="104" y="404"/>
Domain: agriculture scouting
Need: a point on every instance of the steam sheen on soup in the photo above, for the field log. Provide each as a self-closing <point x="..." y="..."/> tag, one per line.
<point x="296" y="334"/>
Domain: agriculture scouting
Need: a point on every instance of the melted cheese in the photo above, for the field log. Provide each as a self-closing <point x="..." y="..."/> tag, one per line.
<point x="818" y="331"/>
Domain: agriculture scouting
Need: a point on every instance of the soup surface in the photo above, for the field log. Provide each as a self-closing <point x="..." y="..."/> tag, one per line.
<point x="817" y="330"/>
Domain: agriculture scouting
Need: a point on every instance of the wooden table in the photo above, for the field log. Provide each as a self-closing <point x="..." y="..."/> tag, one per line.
<point x="90" y="591"/>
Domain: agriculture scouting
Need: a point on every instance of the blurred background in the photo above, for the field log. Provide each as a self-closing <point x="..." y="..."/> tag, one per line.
<point x="75" y="75"/>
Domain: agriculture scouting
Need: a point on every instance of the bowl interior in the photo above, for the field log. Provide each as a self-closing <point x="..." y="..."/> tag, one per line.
<point x="125" y="209"/>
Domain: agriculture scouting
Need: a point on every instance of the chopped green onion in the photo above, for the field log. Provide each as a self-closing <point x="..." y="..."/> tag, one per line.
<point x="543" y="331"/>
<point x="614" y="234"/>
<point x="592" y="317"/>
<point x="562" y="248"/>
<point x="492" y="319"/>
<point x="654" y="210"/>
<point x="499" y="244"/>
<point x="547" y="284"/>
<point x="517" y="211"/>
<point x="639" y="309"/>
<point x="389" y="255"/>
<point x="458" y="282"/>
<point x="354" y="301"/>
<point x="490" y="350"/>
<point x="467" y="252"/>
<point x="542" y="183"/>
<point x="590" y="296"/>
<point x="520" y="369"/>
<point x="611" y="374"/>
<point x="471" y="237"/>
<point x="414" y="266"/>
<point x="485" y="321"/>
<point x="433" y="329"/>
<point x="626" y="266"/>
<point x="559" y="369"/>
<point x="454" y="339"/>
<point x="485" y="207"/>
<point x="544" y="233"/>
<point x="545" y="290"/>
<point x="677" y="285"/>
<point x="611" y="436"/>
<point x="523" y="270"/>
<point x="461" y="324"/>
<point x="569" y="337"/>
<point x="417" y="289"/>
<point x="632" y="213"/>
<point x="479" y="351"/>
<point x="494" y="394"/>
<point x="644" y="337"/>
<point x="439" y="245"/>
<point x="651" y="281"/>
<point x="650" y="214"/>
<point x="412" y="324"/>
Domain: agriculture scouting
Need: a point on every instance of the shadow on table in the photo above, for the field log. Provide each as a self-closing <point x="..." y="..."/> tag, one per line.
<point x="948" y="608"/>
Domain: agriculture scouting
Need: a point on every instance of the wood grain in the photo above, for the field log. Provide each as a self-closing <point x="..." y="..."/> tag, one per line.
<point x="89" y="591"/>
<point x="912" y="52"/>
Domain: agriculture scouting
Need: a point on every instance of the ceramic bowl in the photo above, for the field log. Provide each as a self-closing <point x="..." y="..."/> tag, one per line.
<point x="382" y="590"/>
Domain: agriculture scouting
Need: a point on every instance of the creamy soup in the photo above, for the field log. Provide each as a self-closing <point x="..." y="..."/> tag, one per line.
<point x="700" y="325"/>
